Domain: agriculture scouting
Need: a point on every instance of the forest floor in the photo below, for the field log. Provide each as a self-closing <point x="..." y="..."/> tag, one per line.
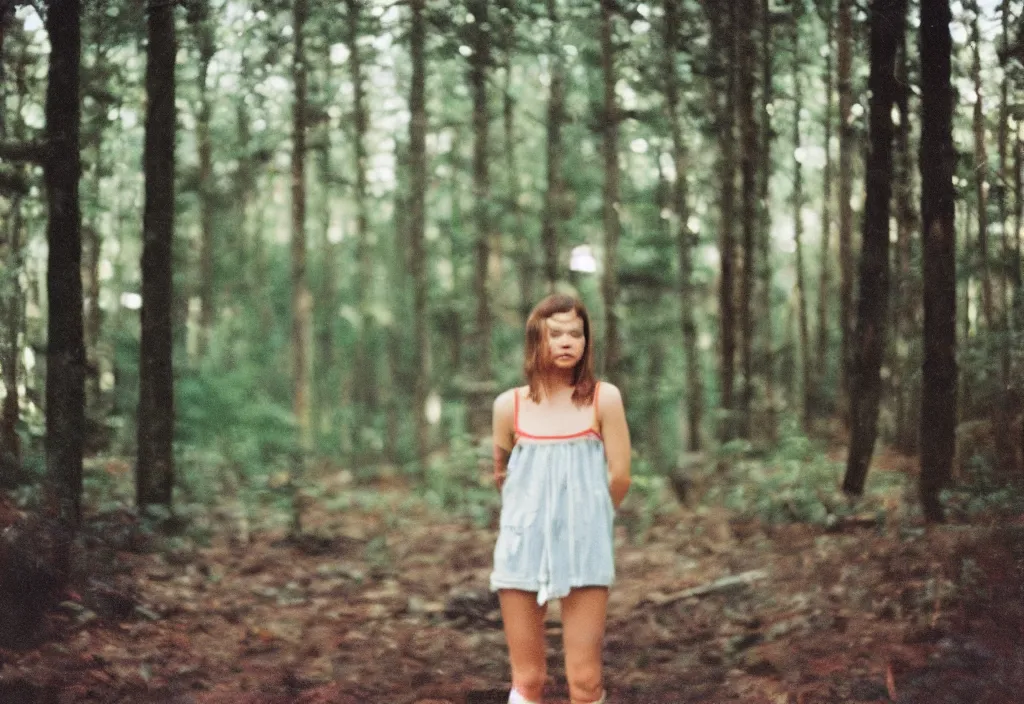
<point x="387" y="601"/>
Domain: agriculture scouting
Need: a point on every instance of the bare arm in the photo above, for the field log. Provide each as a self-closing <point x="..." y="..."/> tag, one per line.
<point x="503" y="432"/>
<point x="612" y="417"/>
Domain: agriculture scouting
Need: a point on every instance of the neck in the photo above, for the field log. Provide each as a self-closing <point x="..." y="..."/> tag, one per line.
<point x="557" y="380"/>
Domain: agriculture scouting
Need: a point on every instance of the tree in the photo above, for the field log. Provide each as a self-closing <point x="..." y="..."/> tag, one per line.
<point x="798" y="225"/>
<point x="65" y="368"/>
<point x="888" y="22"/>
<point x="748" y="208"/>
<point x="154" y="475"/>
<point x="981" y="173"/>
<point x="199" y="16"/>
<point x="846" y="139"/>
<point x="936" y="163"/>
<point x="824" y="277"/>
<point x="417" y="239"/>
<point x="610" y="195"/>
<point x="684" y="239"/>
<point x="553" y="195"/>
<point x="302" y="301"/>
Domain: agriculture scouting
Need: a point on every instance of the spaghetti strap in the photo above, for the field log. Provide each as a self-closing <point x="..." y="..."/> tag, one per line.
<point x="597" y="390"/>
<point x="515" y="411"/>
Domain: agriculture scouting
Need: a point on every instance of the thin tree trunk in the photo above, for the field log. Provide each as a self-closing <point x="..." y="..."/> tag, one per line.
<point x="765" y="310"/>
<point x="417" y="240"/>
<point x="846" y="139"/>
<point x="610" y="197"/>
<point x="981" y="174"/>
<point x="479" y="62"/>
<point x="694" y="394"/>
<point x="728" y="36"/>
<point x="522" y="249"/>
<point x="11" y="295"/>
<point x="825" y="278"/>
<point x="553" y="196"/>
<point x="938" y="384"/>
<point x="1011" y="280"/>
<point x="326" y="356"/>
<point x="365" y="381"/>
<point x="905" y="386"/>
<point x="244" y="187"/>
<point x="155" y="471"/>
<point x="301" y="299"/>
<point x="888" y="23"/>
<point x="964" y="392"/>
<point x="798" y="225"/>
<point x="204" y="144"/>
<point x="748" y="181"/>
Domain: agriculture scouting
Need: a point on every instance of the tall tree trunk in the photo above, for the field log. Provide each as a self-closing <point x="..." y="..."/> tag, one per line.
<point x="748" y="181"/>
<point x="203" y="28"/>
<point x="417" y="241"/>
<point x="522" y="248"/>
<point x="938" y="383"/>
<point x="765" y="272"/>
<point x="244" y="189"/>
<point x="327" y="300"/>
<point x="846" y="139"/>
<point x="1012" y="278"/>
<point x="365" y="369"/>
<point x="727" y="36"/>
<point x="11" y="298"/>
<point x="825" y="278"/>
<point x="905" y="385"/>
<point x="553" y="196"/>
<point x="888" y="23"/>
<point x="301" y="299"/>
<point x="694" y="394"/>
<point x="155" y="471"/>
<point x="965" y="400"/>
<point x="610" y="197"/>
<point x="981" y="175"/>
<point x="479" y="63"/>
<point x="798" y="225"/>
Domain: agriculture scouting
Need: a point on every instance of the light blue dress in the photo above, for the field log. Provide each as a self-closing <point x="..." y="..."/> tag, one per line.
<point x="556" y="526"/>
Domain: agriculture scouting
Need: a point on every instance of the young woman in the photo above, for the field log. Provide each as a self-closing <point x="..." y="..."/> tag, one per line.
<point x="561" y="462"/>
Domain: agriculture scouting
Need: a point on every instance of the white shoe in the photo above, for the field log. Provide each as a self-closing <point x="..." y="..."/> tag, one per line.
<point x="514" y="697"/>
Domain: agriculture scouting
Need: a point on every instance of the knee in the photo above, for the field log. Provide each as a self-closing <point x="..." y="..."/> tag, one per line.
<point x="529" y="682"/>
<point x="585" y="685"/>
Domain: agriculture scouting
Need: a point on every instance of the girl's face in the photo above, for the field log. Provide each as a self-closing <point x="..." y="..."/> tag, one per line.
<point x="564" y="340"/>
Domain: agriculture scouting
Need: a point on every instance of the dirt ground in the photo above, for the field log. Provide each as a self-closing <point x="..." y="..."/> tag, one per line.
<point x="389" y="603"/>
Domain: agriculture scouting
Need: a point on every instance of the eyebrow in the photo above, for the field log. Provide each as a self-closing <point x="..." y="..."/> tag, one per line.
<point x="574" y="325"/>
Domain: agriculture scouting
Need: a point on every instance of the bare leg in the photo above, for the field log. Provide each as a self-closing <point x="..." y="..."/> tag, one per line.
<point x="583" y="619"/>
<point x="523" y="620"/>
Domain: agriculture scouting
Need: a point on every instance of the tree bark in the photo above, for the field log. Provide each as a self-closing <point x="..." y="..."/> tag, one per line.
<point x="417" y="240"/>
<point x="938" y="383"/>
<point x="365" y="381"/>
<point x="798" y="225"/>
<point x="846" y="256"/>
<point x="825" y="276"/>
<point x="11" y="296"/>
<point x="553" y="196"/>
<point x="301" y="303"/>
<point x="905" y="384"/>
<point x="203" y="28"/>
<point x="479" y="64"/>
<point x="694" y="394"/>
<point x="727" y="37"/>
<point x="765" y="271"/>
<point x="155" y="471"/>
<point x="981" y="175"/>
<point x="522" y="249"/>
<point x="610" y="197"/>
<point x="888" y="22"/>
<point x="748" y="186"/>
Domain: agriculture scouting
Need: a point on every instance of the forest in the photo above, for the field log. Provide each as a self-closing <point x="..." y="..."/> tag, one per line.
<point x="264" y="267"/>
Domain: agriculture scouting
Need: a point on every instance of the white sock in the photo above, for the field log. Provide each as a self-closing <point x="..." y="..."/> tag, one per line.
<point x="515" y="697"/>
<point x="603" y="699"/>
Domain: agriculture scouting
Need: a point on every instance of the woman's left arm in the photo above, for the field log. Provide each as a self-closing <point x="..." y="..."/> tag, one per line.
<point x="612" y="417"/>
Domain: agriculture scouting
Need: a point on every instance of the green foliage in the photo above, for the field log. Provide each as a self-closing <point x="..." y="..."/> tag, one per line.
<point x="460" y="481"/>
<point x="796" y="482"/>
<point x="231" y="428"/>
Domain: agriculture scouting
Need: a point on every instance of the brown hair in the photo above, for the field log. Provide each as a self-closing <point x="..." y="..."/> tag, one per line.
<point x="583" y="380"/>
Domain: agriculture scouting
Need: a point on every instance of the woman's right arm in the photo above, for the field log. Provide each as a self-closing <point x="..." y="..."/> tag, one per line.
<point x="503" y="432"/>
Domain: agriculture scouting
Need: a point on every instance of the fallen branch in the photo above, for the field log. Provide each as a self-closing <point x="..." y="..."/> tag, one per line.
<point x="719" y="585"/>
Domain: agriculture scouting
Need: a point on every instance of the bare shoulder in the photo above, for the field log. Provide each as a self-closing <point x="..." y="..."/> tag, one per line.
<point x="610" y="396"/>
<point x="505" y="402"/>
